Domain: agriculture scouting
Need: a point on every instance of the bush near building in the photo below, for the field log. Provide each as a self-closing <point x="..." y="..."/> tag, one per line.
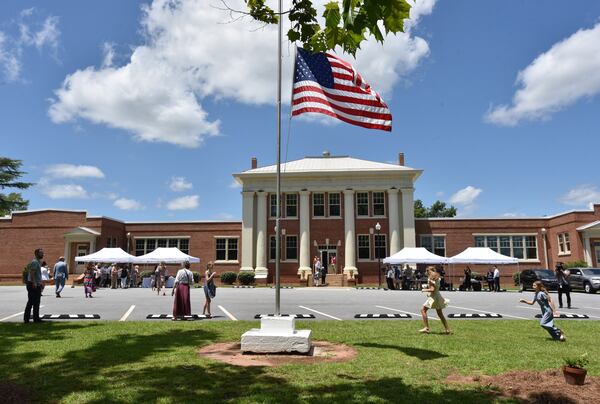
<point x="246" y="278"/>
<point x="228" y="278"/>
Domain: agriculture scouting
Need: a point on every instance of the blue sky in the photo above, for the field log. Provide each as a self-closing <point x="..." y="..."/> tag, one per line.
<point x="156" y="106"/>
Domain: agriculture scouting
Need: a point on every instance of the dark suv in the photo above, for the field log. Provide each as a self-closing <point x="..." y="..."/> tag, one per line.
<point x="547" y="277"/>
<point x="587" y="279"/>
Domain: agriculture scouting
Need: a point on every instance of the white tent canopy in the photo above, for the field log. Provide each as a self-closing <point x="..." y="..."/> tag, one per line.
<point x="415" y="255"/>
<point x="168" y="255"/>
<point x="482" y="255"/>
<point x="107" y="255"/>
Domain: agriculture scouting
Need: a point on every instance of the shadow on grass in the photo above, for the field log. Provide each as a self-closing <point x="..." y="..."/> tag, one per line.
<point x="422" y="354"/>
<point x="152" y="366"/>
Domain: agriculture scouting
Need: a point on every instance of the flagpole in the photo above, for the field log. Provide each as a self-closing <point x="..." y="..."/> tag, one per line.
<point x="278" y="218"/>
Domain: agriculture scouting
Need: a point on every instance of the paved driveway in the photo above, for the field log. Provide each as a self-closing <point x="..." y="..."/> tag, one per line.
<point x="243" y="304"/>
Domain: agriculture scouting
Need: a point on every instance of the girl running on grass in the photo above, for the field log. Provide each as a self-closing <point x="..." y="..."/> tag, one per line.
<point x="548" y="310"/>
<point x="435" y="301"/>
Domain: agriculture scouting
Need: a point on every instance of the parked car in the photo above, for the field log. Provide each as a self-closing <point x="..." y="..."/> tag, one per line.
<point x="587" y="279"/>
<point x="548" y="278"/>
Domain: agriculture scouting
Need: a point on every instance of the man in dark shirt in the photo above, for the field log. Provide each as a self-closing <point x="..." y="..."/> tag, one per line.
<point x="564" y="285"/>
<point x="34" y="287"/>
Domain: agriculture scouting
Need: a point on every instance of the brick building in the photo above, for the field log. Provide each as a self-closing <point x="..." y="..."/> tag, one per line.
<point x="330" y="208"/>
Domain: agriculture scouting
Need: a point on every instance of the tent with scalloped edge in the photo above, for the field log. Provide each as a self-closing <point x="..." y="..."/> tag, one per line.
<point x="482" y="255"/>
<point x="168" y="255"/>
<point x="106" y="254"/>
<point x="415" y="255"/>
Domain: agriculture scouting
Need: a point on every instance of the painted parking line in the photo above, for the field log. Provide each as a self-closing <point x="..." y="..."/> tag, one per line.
<point x="531" y="308"/>
<point x="228" y="314"/>
<point x="488" y="312"/>
<point x="14" y="315"/>
<point x="408" y="312"/>
<point x="593" y="308"/>
<point x="318" y="312"/>
<point x="127" y="313"/>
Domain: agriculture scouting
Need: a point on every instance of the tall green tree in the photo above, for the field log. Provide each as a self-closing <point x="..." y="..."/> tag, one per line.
<point x="10" y="172"/>
<point x="347" y="22"/>
<point x="437" y="209"/>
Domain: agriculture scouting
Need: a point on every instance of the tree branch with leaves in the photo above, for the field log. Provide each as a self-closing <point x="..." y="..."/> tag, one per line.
<point x="10" y="172"/>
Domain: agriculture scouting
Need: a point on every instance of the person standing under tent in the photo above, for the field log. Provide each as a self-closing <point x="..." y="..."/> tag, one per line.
<point x="548" y="311"/>
<point x="114" y="275"/>
<point x="61" y="274"/>
<point x="407" y="277"/>
<point x="389" y="278"/>
<point x="435" y="301"/>
<point x="209" y="287"/>
<point x="490" y="280"/>
<point x="181" y="289"/>
<point x="159" y="276"/>
<point x="124" y="276"/>
<point x="398" y="278"/>
<point x="496" y="279"/>
<point x="564" y="284"/>
<point x="134" y="276"/>
<point x="467" y="280"/>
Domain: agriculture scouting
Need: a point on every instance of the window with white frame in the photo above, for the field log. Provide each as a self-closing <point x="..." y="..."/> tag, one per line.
<point x="564" y="245"/>
<point x="434" y="244"/>
<point x="291" y="248"/>
<point x="362" y="204"/>
<point x="319" y="205"/>
<point x="147" y="245"/>
<point x="378" y="204"/>
<point x="334" y="204"/>
<point x="291" y="205"/>
<point x="380" y="246"/>
<point x="272" y="205"/>
<point x="364" y="247"/>
<point x="111" y="242"/>
<point x="523" y="247"/>
<point x="226" y="248"/>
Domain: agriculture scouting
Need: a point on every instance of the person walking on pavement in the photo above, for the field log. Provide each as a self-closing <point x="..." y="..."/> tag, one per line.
<point x="159" y="276"/>
<point x="34" y="287"/>
<point x="564" y="284"/>
<point x="61" y="274"/>
<point x="88" y="280"/>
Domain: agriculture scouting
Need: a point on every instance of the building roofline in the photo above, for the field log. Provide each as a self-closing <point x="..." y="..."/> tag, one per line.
<point x="186" y="221"/>
<point x="588" y="226"/>
<point x="506" y="218"/>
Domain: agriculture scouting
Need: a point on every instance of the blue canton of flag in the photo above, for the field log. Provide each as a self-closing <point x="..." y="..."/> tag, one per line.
<point x="325" y="84"/>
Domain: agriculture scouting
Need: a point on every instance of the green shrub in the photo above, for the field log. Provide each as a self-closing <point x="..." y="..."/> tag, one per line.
<point x="228" y="278"/>
<point x="246" y="277"/>
<point x="517" y="278"/>
<point x="577" y="361"/>
<point x="575" y="264"/>
<point x="146" y="274"/>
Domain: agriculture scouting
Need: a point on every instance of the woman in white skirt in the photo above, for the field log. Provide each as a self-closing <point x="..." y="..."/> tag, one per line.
<point x="435" y="301"/>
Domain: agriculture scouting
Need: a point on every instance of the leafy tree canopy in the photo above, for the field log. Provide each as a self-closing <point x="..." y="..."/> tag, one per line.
<point x="347" y="22"/>
<point x="437" y="209"/>
<point x="10" y="172"/>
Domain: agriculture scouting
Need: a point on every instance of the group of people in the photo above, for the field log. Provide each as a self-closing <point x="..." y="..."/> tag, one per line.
<point x="184" y="281"/>
<point x="492" y="278"/>
<point x="402" y="279"/>
<point x="320" y="270"/>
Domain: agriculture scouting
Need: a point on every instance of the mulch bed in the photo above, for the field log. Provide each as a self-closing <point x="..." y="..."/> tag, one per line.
<point x="322" y="351"/>
<point x="548" y="387"/>
<point x="11" y="393"/>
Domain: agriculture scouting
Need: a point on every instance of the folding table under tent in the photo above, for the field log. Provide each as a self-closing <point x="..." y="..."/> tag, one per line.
<point x="168" y="255"/>
<point x="415" y="255"/>
<point x="481" y="256"/>
<point x="116" y="255"/>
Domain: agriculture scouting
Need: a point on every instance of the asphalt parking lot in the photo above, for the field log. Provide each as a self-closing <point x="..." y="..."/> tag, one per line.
<point x="230" y="304"/>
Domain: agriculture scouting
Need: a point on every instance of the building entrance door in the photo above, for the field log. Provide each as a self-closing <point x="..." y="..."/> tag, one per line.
<point x="597" y="250"/>
<point x="328" y="254"/>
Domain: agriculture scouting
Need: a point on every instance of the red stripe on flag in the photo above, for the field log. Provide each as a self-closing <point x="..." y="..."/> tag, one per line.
<point x="349" y="111"/>
<point x="341" y="98"/>
<point x="387" y="128"/>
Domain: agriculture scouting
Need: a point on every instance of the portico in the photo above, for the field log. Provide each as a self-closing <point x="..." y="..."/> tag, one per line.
<point x="326" y="200"/>
<point x="590" y="235"/>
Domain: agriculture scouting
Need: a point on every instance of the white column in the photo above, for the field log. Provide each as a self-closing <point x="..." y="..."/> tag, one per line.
<point x="247" y="230"/>
<point x="394" y="220"/>
<point x="304" y="268"/>
<point x="587" y="251"/>
<point x="349" y="244"/>
<point x="408" y="217"/>
<point x="261" y="235"/>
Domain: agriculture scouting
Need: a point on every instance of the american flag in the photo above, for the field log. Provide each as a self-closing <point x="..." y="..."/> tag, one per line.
<point x="325" y="84"/>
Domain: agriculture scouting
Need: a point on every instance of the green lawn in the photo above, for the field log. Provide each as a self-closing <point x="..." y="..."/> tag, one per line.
<point x="112" y="362"/>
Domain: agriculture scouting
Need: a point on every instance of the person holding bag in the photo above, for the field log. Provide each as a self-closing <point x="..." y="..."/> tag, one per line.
<point x="183" y="282"/>
<point x="210" y="289"/>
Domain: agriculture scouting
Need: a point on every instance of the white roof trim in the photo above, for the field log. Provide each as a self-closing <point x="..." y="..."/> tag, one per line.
<point x="329" y="164"/>
<point x="82" y="229"/>
<point x="589" y="226"/>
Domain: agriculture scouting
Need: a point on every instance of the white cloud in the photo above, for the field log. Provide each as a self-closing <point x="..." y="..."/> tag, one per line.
<point x="127" y="204"/>
<point x="582" y="195"/>
<point x="567" y="72"/>
<point x="179" y="184"/>
<point x="65" y="191"/>
<point x="31" y="33"/>
<point x="465" y="199"/>
<point x="74" y="171"/>
<point x="225" y="216"/>
<point x="108" y="51"/>
<point x="192" y="51"/>
<point x="183" y="203"/>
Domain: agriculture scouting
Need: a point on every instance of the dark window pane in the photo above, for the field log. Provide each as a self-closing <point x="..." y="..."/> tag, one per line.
<point x="334" y="204"/>
<point x="291" y="205"/>
<point x="364" y="250"/>
<point x="273" y="205"/>
<point x="319" y="205"/>
<point x="291" y="250"/>
<point x="161" y="242"/>
<point x="378" y="204"/>
<point x="362" y="204"/>
<point x="272" y="248"/>
<point x="380" y="246"/>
